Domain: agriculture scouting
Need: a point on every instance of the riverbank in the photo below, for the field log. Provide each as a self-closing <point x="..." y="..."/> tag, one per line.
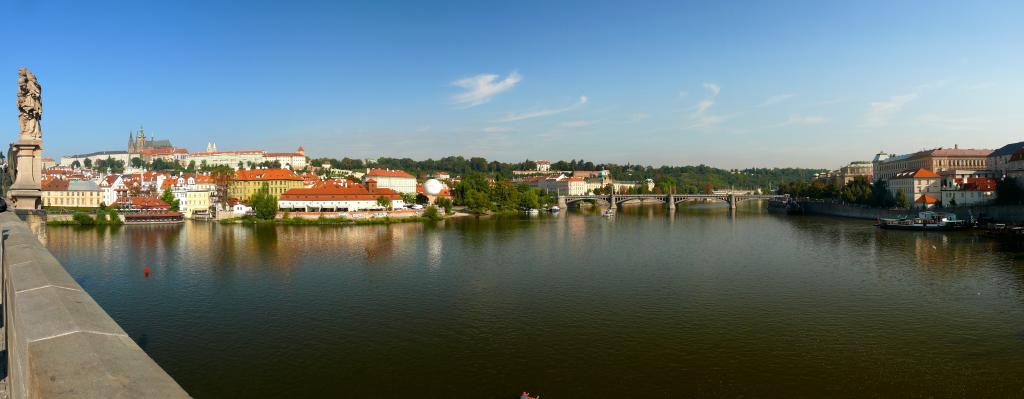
<point x="997" y="213"/>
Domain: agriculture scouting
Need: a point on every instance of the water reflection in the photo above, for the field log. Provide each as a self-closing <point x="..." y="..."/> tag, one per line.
<point x="573" y="304"/>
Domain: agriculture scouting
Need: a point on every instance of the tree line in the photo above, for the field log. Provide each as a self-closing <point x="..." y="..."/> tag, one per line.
<point x="478" y="194"/>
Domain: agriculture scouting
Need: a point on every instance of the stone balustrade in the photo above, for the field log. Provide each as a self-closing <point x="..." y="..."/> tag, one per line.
<point x="60" y="342"/>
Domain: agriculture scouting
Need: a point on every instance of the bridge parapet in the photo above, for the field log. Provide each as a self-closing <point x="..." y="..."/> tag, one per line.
<point x="731" y="198"/>
<point x="60" y="342"/>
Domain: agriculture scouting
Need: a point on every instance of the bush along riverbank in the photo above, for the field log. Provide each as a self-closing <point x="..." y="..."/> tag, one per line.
<point x="101" y="218"/>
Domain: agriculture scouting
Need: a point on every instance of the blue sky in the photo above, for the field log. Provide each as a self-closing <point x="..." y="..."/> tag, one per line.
<point x="812" y="84"/>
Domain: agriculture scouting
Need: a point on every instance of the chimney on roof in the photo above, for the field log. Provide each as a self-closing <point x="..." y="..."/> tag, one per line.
<point x="956" y="146"/>
<point x="371" y="185"/>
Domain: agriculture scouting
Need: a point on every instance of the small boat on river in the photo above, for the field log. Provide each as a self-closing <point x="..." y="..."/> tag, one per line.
<point x="926" y="221"/>
<point x="1005" y="232"/>
<point x="789" y="207"/>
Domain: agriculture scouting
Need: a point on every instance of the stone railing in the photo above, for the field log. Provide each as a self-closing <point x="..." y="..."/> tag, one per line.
<point x="60" y="342"/>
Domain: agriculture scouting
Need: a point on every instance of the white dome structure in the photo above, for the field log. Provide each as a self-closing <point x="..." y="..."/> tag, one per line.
<point x="432" y="187"/>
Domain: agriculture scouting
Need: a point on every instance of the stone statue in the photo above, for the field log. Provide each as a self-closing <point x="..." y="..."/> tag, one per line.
<point x="25" y="165"/>
<point x="30" y="106"/>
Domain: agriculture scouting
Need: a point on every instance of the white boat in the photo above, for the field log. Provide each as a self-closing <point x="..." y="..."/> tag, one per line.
<point x="534" y="211"/>
<point x="926" y="221"/>
<point x="554" y="209"/>
<point x="609" y="213"/>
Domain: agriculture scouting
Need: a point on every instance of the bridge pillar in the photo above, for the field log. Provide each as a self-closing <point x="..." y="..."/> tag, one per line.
<point x="671" y="202"/>
<point x="732" y="201"/>
<point x="611" y="202"/>
<point x="561" y="203"/>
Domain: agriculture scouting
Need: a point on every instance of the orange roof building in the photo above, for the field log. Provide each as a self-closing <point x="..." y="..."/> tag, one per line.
<point x="333" y="196"/>
<point x="248" y="182"/>
<point x="920" y="187"/>
<point x="398" y="180"/>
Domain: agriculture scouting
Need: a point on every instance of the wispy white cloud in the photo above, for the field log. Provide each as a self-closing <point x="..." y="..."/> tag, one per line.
<point x="518" y="116"/>
<point x="797" y="119"/>
<point x="576" y="124"/>
<point x="700" y="118"/>
<point x="712" y="88"/>
<point x="704" y="121"/>
<point x="497" y="129"/>
<point x="879" y="113"/>
<point x="776" y="99"/>
<point x="704" y="105"/>
<point x="481" y="88"/>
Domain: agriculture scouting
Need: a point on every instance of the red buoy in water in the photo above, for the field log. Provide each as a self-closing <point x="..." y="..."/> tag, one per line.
<point x="147" y="271"/>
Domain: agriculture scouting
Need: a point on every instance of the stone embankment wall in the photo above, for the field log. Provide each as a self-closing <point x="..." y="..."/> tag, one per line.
<point x="60" y="342"/>
<point x="999" y="213"/>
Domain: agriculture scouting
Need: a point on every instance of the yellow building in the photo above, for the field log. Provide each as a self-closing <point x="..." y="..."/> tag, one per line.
<point x="248" y="182"/>
<point x="192" y="203"/>
<point x="71" y="194"/>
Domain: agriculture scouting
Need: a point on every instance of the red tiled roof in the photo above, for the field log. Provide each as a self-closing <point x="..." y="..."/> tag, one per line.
<point x="266" y="174"/>
<point x="980" y="184"/>
<point x="229" y="152"/>
<point x="164" y="151"/>
<point x="389" y="173"/>
<point x="957" y="152"/>
<point x="283" y="154"/>
<point x="148" y="203"/>
<point x="921" y="173"/>
<point x="927" y="199"/>
<point x="333" y="191"/>
<point x="55" y="185"/>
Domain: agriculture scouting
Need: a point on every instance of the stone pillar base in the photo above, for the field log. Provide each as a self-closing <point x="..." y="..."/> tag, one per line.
<point x="26" y="191"/>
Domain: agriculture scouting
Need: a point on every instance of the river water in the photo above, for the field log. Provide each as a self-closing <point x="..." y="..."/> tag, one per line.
<point x="701" y="302"/>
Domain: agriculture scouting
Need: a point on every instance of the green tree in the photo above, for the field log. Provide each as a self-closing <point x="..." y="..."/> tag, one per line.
<point x="191" y="165"/>
<point x="113" y="218"/>
<point x="1009" y="192"/>
<point x="88" y="162"/>
<point x="901" y="198"/>
<point x="432" y="214"/>
<point x="478" y="201"/>
<point x="168" y="197"/>
<point x="529" y="199"/>
<point x="264" y="204"/>
<point x="384" y="202"/>
<point x="83" y="219"/>
<point x="446" y="203"/>
<point x="409" y="198"/>
<point x="76" y="164"/>
<point x="101" y="216"/>
<point x="137" y="162"/>
<point x="505" y="195"/>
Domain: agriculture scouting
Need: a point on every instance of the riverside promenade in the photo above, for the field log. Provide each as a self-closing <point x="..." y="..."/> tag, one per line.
<point x="59" y="342"/>
<point x="998" y="213"/>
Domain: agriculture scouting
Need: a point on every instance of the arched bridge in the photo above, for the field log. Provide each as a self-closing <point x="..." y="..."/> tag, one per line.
<point x="670" y="199"/>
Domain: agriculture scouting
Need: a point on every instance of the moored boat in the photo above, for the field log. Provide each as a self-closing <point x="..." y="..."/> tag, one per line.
<point x="926" y="221"/>
<point x="789" y="207"/>
<point x="153" y="217"/>
<point x="1005" y="232"/>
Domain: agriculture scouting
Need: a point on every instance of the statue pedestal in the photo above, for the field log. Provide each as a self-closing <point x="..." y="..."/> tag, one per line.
<point x="26" y="191"/>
